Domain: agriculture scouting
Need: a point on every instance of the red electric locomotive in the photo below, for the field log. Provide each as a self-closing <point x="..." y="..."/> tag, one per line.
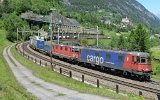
<point x="66" y="51"/>
<point x="139" y="63"/>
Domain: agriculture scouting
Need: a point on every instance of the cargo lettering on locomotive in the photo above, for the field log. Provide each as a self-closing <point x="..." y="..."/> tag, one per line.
<point x="96" y="59"/>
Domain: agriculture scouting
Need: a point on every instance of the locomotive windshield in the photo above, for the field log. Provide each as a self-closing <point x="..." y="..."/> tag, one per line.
<point x="143" y="60"/>
<point x="138" y="59"/>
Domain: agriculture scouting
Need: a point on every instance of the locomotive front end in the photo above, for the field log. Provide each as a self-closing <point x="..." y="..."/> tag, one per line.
<point x="140" y="65"/>
<point x="144" y="63"/>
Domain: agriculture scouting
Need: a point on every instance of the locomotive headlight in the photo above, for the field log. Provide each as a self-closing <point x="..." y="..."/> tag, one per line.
<point x="147" y="68"/>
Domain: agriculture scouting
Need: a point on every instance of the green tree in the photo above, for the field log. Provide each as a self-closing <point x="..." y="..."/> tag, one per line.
<point x="11" y="23"/>
<point x="11" y="36"/>
<point x="40" y="6"/>
<point x="83" y="41"/>
<point x="139" y="39"/>
<point x="34" y="27"/>
<point x="132" y="41"/>
<point x="1" y="24"/>
<point x="121" y="42"/>
<point x="45" y="27"/>
<point x="114" y="42"/>
<point x="4" y="7"/>
<point x="25" y="5"/>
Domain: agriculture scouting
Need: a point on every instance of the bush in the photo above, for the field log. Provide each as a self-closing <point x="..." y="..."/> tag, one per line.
<point x="1" y="24"/>
<point x="11" y="36"/>
<point x="12" y="22"/>
<point x="83" y="41"/>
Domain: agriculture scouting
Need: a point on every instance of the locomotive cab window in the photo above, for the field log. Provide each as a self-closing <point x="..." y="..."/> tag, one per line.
<point x="75" y="50"/>
<point x="66" y="48"/>
<point x="87" y="53"/>
<point x="108" y="56"/>
<point x="143" y="60"/>
<point x="121" y="58"/>
<point x="132" y="58"/>
<point x="61" y="48"/>
<point x="138" y="59"/>
<point x="97" y="54"/>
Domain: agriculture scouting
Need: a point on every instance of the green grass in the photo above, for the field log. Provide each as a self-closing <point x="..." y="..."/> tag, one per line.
<point x="156" y="69"/>
<point x="61" y="94"/>
<point x="156" y="52"/>
<point x="114" y="33"/>
<point x="101" y="42"/>
<point x="9" y="87"/>
<point x="109" y="33"/>
<point x="155" y="64"/>
<point x="61" y="80"/>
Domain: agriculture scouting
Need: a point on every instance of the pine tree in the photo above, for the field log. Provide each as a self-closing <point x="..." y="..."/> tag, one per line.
<point x="139" y="39"/>
<point x="114" y="42"/>
<point x="121" y="42"/>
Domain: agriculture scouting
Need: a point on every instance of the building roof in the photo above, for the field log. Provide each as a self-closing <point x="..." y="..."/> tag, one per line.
<point x="56" y="17"/>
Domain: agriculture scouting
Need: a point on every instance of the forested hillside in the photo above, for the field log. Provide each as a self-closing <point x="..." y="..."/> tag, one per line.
<point x="10" y="11"/>
<point x="90" y="13"/>
<point x="19" y="6"/>
<point x="114" y="8"/>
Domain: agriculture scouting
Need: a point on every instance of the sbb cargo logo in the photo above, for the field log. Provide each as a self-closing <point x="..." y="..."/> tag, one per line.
<point x="97" y="60"/>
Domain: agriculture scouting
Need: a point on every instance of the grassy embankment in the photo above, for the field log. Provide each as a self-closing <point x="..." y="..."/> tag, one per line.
<point x="9" y="87"/>
<point x="101" y="42"/>
<point x="155" y="64"/>
<point x="61" y="80"/>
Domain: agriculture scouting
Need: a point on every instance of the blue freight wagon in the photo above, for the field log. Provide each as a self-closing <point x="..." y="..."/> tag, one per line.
<point x="102" y="57"/>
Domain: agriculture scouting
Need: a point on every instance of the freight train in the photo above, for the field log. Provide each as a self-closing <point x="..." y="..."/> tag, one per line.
<point x="137" y="64"/>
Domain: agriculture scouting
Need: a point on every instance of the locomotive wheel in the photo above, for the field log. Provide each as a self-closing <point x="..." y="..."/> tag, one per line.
<point x="141" y="78"/>
<point x="102" y="68"/>
<point x="147" y="78"/>
<point x="125" y="74"/>
<point x="144" y="78"/>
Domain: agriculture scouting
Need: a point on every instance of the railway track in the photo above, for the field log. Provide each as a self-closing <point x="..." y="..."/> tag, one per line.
<point x="98" y="76"/>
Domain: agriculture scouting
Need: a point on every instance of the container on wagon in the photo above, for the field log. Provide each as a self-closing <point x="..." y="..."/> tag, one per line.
<point x="37" y="42"/>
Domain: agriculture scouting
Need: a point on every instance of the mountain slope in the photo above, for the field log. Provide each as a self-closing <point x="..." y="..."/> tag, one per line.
<point x="130" y="8"/>
<point x="158" y="15"/>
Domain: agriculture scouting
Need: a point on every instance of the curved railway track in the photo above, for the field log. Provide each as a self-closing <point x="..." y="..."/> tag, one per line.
<point x="98" y="76"/>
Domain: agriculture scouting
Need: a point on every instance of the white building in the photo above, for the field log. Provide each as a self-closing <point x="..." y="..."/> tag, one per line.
<point x="125" y="20"/>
